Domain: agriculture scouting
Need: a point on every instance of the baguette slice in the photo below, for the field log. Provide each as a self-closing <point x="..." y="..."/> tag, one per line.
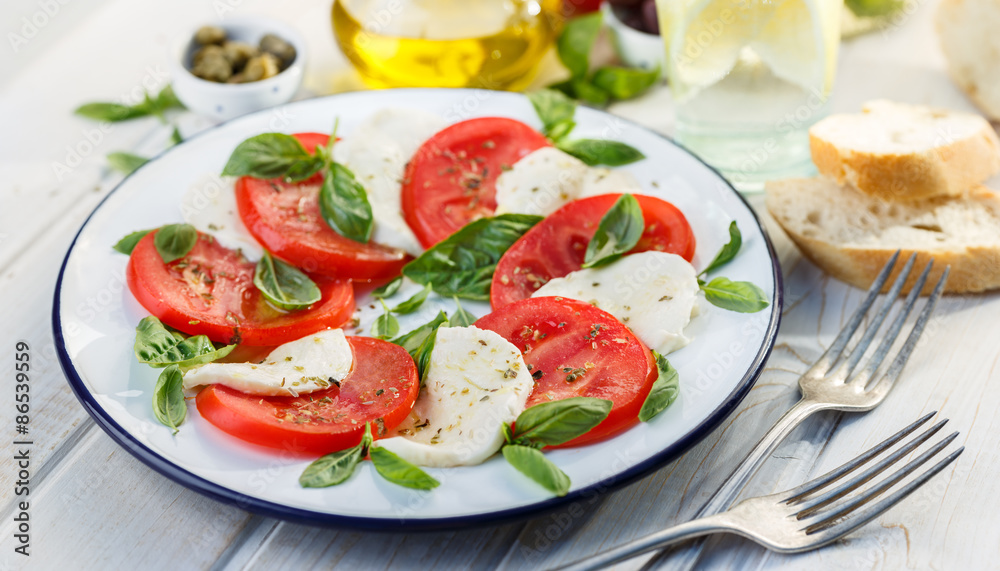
<point x="851" y="235"/>
<point x="898" y="151"/>
<point x="967" y="30"/>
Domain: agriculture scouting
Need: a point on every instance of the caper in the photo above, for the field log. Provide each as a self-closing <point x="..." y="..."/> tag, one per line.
<point x="207" y="35"/>
<point x="212" y="66"/>
<point x="284" y="51"/>
<point x="238" y="53"/>
<point x="260" y="67"/>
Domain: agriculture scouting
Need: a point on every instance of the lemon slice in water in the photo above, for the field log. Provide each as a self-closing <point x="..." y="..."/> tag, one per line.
<point x="797" y="41"/>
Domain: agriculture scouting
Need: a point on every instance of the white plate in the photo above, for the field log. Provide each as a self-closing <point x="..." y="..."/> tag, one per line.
<point x="94" y="321"/>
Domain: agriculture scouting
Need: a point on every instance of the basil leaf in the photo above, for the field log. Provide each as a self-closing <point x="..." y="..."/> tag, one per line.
<point x="175" y="136"/>
<point x="398" y="471"/>
<point x="589" y="92"/>
<point x="113" y="112"/>
<point x="576" y="41"/>
<point x="331" y="469"/>
<point x="625" y="83"/>
<point x="556" y="112"/>
<point x="414" y="339"/>
<point x="414" y="303"/>
<point x="389" y="289"/>
<point x="157" y="346"/>
<point x="168" y="398"/>
<point x="743" y="297"/>
<point x="462" y="265"/>
<point x="461" y="317"/>
<point x="268" y="155"/>
<point x="174" y="241"/>
<point x="600" y="152"/>
<point x="125" y="163"/>
<point x="422" y="356"/>
<point x="301" y="170"/>
<point x="556" y="422"/>
<point x="728" y="252"/>
<point x="344" y="205"/>
<point x="167" y="99"/>
<point x="127" y="244"/>
<point x="284" y="285"/>
<point x="533" y="464"/>
<point x="618" y="232"/>
<point x="385" y="325"/>
<point x="664" y="391"/>
<point x="508" y="433"/>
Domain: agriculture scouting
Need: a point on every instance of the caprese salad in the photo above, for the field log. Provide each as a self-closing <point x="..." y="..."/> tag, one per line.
<point x="589" y="281"/>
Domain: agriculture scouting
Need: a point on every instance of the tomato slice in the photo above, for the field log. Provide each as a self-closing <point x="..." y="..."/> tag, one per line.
<point x="557" y="245"/>
<point x="451" y="180"/>
<point x="382" y="384"/>
<point x="576" y="350"/>
<point x="285" y="218"/>
<point x="210" y="291"/>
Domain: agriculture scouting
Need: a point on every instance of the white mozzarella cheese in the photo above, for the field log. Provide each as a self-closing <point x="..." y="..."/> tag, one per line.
<point x="377" y="153"/>
<point x="210" y="206"/>
<point x="654" y="294"/>
<point x="302" y="366"/>
<point x="608" y="181"/>
<point x="476" y="382"/>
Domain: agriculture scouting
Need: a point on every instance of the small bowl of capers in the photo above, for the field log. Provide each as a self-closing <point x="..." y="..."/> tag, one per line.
<point x="242" y="65"/>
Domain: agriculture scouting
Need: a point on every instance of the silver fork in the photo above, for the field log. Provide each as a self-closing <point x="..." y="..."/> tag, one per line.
<point x="811" y="515"/>
<point x="829" y="385"/>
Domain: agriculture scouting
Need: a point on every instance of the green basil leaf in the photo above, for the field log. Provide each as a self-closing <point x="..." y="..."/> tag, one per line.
<point x="533" y="464"/>
<point x="625" y="83"/>
<point x="332" y="469"/>
<point x="167" y="99"/>
<point x="743" y="297"/>
<point x="174" y="241"/>
<point x="284" y="285"/>
<point x="414" y="339"/>
<point x="414" y="303"/>
<point x="268" y="155"/>
<point x="587" y="91"/>
<point x="508" y="433"/>
<point x="556" y="112"/>
<point x="389" y="289"/>
<point x="125" y="163"/>
<point x="175" y="136"/>
<point x="113" y="112"/>
<point x="727" y="252"/>
<point x="462" y="265"/>
<point x="556" y="422"/>
<point x="127" y="244"/>
<point x="385" y="325"/>
<point x="601" y="152"/>
<point x="618" y="232"/>
<point x="344" y="205"/>
<point x="873" y="8"/>
<point x="576" y="41"/>
<point x="301" y="170"/>
<point x="398" y="471"/>
<point x="168" y="398"/>
<point x="157" y="346"/>
<point x="461" y="317"/>
<point x="664" y="391"/>
<point x="422" y="356"/>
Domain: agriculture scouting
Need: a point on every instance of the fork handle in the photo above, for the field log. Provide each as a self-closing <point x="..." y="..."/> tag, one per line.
<point x="686" y="558"/>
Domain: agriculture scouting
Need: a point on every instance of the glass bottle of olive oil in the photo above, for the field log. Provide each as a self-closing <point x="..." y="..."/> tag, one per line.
<point x="493" y="44"/>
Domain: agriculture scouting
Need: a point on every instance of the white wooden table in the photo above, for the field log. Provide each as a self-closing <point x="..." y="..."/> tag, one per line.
<point x="94" y="506"/>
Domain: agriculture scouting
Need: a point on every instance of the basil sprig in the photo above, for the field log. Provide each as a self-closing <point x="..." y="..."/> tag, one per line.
<point x="556" y="112"/>
<point x="168" y="398"/>
<point x="157" y="346"/>
<point x="125" y="163"/>
<point x="389" y="289"/>
<point x="127" y="244"/>
<point x="728" y="251"/>
<point x="463" y="264"/>
<point x="419" y="343"/>
<point x="617" y="233"/>
<point x="174" y="241"/>
<point x="284" y="285"/>
<point x="400" y="472"/>
<point x="385" y="325"/>
<point x="743" y="297"/>
<point x="665" y="389"/>
<point x="156" y="105"/>
<point x="550" y="424"/>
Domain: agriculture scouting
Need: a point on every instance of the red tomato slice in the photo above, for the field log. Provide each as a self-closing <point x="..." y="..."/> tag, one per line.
<point x="210" y="291"/>
<point x="581" y="351"/>
<point x="285" y="218"/>
<point x="382" y="384"/>
<point x="451" y="180"/>
<point x="557" y="245"/>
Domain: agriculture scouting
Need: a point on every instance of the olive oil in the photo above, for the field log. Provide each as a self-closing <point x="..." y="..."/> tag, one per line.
<point x="492" y="44"/>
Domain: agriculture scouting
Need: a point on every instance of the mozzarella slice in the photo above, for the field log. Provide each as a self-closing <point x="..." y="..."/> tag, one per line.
<point x="377" y="152"/>
<point x="476" y="382"/>
<point x="607" y="181"/>
<point x="302" y="366"/>
<point x="653" y="293"/>
<point x="210" y="206"/>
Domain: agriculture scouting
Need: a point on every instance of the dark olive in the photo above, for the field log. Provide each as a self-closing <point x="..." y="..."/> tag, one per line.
<point x="650" y="22"/>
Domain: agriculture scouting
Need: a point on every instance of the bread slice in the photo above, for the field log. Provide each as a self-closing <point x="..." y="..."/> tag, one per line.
<point x="967" y="30"/>
<point x="851" y="235"/>
<point x="898" y="151"/>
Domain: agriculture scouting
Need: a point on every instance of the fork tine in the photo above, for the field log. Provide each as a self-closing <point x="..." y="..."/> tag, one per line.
<point x="878" y="490"/>
<point x="838" y="530"/>
<point x="837" y="347"/>
<point x="897" y="286"/>
<point x="838" y="473"/>
<point x="810" y="506"/>
<point x="894" y="329"/>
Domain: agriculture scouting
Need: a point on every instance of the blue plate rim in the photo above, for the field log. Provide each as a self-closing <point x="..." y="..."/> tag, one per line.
<point x="271" y="509"/>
